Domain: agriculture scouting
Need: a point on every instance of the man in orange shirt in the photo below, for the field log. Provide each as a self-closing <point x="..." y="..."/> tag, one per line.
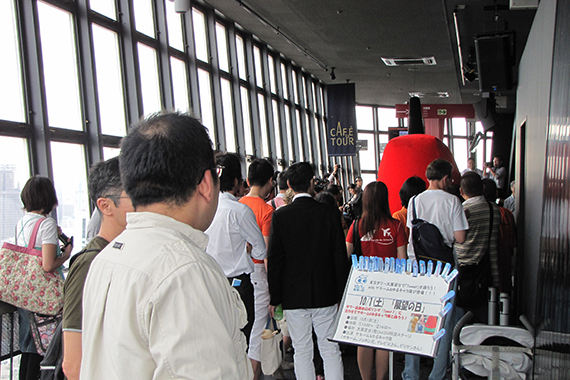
<point x="260" y="179"/>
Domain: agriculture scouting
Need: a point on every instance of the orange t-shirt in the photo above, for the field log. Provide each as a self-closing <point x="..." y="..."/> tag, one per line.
<point x="263" y="213"/>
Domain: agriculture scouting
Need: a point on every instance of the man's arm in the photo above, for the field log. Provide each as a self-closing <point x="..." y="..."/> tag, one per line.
<point x="251" y="233"/>
<point x="71" y="354"/>
<point x="275" y="261"/>
<point x="460" y="236"/>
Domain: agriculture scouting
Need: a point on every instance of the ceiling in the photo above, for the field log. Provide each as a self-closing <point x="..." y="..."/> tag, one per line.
<point x="354" y="36"/>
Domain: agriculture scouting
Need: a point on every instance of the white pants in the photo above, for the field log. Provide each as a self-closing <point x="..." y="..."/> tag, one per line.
<point x="261" y="297"/>
<point x="301" y="323"/>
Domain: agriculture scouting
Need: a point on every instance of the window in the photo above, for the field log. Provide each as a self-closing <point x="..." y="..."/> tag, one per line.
<point x="276" y="129"/>
<point x="200" y="39"/>
<point x="284" y="80"/>
<point x="258" y="69"/>
<point x="364" y="118"/>
<point x="11" y="92"/>
<point x="289" y="133"/>
<point x="246" y="114"/>
<point x="104" y="7"/>
<point x="228" y="116"/>
<point x="206" y="110"/>
<point x="109" y="81"/>
<point x="150" y="87"/>
<point x="368" y="156"/>
<point x="241" y="58"/>
<point x="60" y="67"/>
<point x="110" y="152"/>
<point x="222" y="47"/>
<point x="263" y="126"/>
<point x="144" y="19"/>
<point x="14" y="172"/>
<point x="272" y="82"/>
<point x="179" y="85"/>
<point x="386" y="118"/>
<point x="72" y="194"/>
<point x="174" y="25"/>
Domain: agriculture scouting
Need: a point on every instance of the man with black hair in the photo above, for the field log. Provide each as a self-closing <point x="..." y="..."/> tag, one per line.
<point x="156" y="305"/>
<point x="233" y="227"/>
<point x="438" y="207"/>
<point x="477" y="242"/>
<point x="260" y="180"/>
<point x="307" y="272"/>
<point x="498" y="173"/>
<point x="112" y="204"/>
<point x="283" y="187"/>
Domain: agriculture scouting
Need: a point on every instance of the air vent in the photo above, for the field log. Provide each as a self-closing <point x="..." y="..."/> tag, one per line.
<point x="439" y="94"/>
<point x="428" y="61"/>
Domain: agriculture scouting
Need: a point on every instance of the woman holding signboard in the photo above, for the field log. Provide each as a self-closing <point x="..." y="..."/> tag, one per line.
<point x="375" y="234"/>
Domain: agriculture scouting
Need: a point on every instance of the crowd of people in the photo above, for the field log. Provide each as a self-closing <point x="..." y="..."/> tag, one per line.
<point x="191" y="260"/>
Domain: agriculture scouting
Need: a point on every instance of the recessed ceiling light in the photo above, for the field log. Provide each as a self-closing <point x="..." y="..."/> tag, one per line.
<point x="429" y="61"/>
<point x="439" y="94"/>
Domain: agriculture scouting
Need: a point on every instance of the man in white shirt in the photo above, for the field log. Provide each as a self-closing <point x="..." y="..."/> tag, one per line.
<point x="155" y="304"/>
<point x="438" y="207"/>
<point x="472" y="167"/>
<point x="233" y="227"/>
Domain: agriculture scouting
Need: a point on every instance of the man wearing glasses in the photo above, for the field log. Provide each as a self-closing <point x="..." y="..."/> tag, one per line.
<point x="156" y="305"/>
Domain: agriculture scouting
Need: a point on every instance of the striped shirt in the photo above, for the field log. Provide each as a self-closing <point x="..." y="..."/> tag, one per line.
<point x="476" y="242"/>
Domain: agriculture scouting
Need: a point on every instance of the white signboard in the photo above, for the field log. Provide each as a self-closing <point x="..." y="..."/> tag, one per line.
<point x="394" y="311"/>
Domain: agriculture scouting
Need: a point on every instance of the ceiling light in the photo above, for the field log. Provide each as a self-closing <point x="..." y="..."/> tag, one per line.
<point x="439" y="94"/>
<point x="428" y="61"/>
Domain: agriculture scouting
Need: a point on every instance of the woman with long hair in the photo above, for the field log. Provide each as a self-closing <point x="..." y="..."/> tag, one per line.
<point x="381" y="236"/>
<point x="39" y="199"/>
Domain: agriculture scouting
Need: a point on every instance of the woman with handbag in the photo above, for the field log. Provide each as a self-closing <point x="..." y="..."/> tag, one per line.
<point x="39" y="199"/>
<point x="377" y="234"/>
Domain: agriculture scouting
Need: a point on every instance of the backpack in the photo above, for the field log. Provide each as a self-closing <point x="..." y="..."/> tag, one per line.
<point x="50" y="366"/>
<point x="428" y="242"/>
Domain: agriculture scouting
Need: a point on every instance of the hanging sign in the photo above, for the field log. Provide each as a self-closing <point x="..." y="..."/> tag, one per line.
<point x="341" y="120"/>
<point x="396" y="305"/>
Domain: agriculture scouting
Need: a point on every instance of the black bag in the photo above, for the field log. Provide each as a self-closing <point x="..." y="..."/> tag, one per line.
<point x="474" y="281"/>
<point x="51" y="366"/>
<point x="428" y="242"/>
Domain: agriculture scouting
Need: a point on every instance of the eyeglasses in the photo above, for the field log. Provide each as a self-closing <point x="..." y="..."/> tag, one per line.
<point x="219" y="170"/>
<point x="115" y="196"/>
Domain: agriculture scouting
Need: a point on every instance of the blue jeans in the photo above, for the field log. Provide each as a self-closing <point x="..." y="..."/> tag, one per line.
<point x="441" y="360"/>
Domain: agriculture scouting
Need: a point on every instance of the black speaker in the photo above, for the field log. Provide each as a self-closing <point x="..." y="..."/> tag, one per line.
<point x="494" y="62"/>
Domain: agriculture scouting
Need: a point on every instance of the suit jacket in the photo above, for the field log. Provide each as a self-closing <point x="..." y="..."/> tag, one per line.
<point x="306" y="257"/>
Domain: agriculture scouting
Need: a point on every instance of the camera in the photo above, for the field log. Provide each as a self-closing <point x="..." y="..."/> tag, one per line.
<point x="65" y="240"/>
<point x="489" y="164"/>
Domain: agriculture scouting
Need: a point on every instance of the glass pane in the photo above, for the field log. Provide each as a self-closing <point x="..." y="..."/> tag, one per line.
<point x="14" y="172"/>
<point x="301" y="149"/>
<point x="284" y="81"/>
<point x="200" y="39"/>
<point x="246" y="114"/>
<point x="364" y="118"/>
<point x="109" y="81"/>
<point x="228" y="116"/>
<point x="459" y="126"/>
<point x="308" y="138"/>
<point x="150" y="86"/>
<point x="174" y="25"/>
<point x="368" y="178"/>
<point x="383" y="141"/>
<point x="222" y="44"/>
<point x="276" y="129"/>
<point x="318" y="140"/>
<point x="105" y="7"/>
<point x="206" y="110"/>
<point x="241" y="58"/>
<point x="386" y="118"/>
<point x="322" y="90"/>
<point x="304" y="92"/>
<point x="263" y="126"/>
<point x="489" y="147"/>
<point x="367" y="157"/>
<point x="314" y="93"/>
<point x="11" y="92"/>
<point x="289" y="134"/>
<point x="460" y="153"/>
<point x="73" y="205"/>
<point x="144" y="19"/>
<point x="271" y="68"/>
<point x="295" y="88"/>
<point x="110" y="152"/>
<point x="60" y="67"/>
<point x="258" y="69"/>
<point x="180" y="85"/>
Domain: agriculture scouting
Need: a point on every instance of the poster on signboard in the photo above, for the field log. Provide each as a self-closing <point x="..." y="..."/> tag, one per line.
<point x="395" y="310"/>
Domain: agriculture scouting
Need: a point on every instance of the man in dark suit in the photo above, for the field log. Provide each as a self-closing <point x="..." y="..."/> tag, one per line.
<point x="307" y="272"/>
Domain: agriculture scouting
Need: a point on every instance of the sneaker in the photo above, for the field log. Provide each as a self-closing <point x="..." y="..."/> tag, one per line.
<point x="320" y="377"/>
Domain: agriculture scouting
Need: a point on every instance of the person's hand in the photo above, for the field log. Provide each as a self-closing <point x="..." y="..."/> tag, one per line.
<point x="249" y="248"/>
<point x="271" y="311"/>
<point x="68" y="248"/>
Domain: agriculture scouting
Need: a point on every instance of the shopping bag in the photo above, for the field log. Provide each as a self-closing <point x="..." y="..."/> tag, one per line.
<point x="271" y="355"/>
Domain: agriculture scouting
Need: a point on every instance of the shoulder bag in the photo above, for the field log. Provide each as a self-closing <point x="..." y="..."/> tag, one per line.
<point x="24" y="282"/>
